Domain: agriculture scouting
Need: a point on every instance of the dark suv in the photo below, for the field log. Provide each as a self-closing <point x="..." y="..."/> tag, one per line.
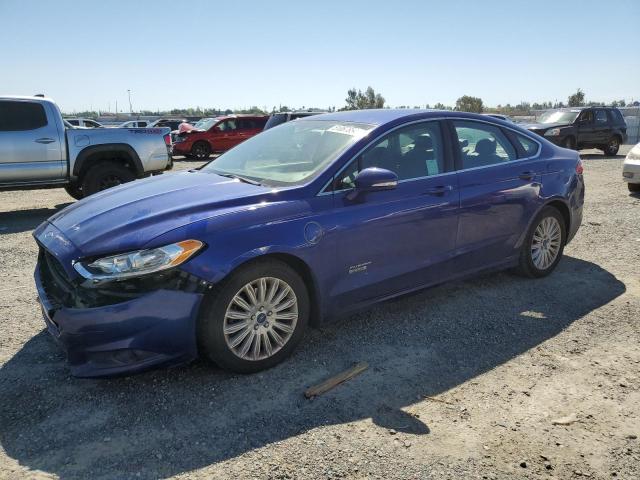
<point x="583" y="127"/>
<point x="282" y="117"/>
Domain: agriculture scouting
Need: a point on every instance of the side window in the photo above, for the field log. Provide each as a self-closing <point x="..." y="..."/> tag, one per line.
<point x="482" y="144"/>
<point x="416" y="151"/>
<point x="530" y="147"/>
<point x="586" y="117"/>
<point x="601" y="117"/>
<point x="21" y="116"/>
<point x="227" y="125"/>
<point x="75" y="123"/>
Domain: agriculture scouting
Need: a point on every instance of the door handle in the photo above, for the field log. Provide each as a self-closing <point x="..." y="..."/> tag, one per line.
<point x="45" y="140"/>
<point x="527" y="175"/>
<point x="439" y="190"/>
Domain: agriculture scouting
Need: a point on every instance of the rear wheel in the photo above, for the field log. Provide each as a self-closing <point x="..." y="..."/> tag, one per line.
<point x="74" y="190"/>
<point x="201" y="150"/>
<point x="255" y="318"/>
<point x="613" y="146"/>
<point x="633" y="187"/>
<point x="543" y="247"/>
<point x="105" y="175"/>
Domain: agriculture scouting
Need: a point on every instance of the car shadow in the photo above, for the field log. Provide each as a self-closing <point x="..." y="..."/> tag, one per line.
<point x="172" y="421"/>
<point x="600" y="156"/>
<point x="25" y="220"/>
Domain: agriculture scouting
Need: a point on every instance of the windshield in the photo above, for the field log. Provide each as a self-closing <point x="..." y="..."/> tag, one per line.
<point x="558" y="116"/>
<point x="290" y="154"/>
<point x="205" y="123"/>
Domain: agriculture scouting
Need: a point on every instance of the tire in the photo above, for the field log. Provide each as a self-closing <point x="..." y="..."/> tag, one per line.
<point x="218" y="345"/>
<point x="634" y="187"/>
<point x="538" y="266"/>
<point x="611" y="148"/>
<point x="73" y="189"/>
<point x="105" y="175"/>
<point x="201" y="150"/>
<point x="569" y="143"/>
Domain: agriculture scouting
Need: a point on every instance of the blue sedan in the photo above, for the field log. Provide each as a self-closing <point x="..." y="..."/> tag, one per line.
<point x="306" y="221"/>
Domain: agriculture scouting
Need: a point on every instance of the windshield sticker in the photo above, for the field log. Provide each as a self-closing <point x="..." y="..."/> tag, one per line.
<point x="348" y="130"/>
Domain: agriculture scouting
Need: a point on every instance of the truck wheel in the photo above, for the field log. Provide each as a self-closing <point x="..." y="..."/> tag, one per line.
<point x="74" y="190"/>
<point x="612" y="147"/>
<point x="105" y="175"/>
<point x="634" y="187"/>
<point x="201" y="150"/>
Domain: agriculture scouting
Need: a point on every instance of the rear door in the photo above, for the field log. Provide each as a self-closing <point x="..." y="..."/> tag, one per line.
<point x="498" y="174"/>
<point x="30" y="148"/>
<point x="395" y="240"/>
<point x="601" y="127"/>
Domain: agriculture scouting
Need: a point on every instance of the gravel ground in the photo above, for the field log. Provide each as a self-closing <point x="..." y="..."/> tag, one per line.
<point x="467" y="380"/>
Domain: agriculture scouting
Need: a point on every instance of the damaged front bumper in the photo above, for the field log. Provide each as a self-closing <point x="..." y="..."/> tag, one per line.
<point x="122" y="327"/>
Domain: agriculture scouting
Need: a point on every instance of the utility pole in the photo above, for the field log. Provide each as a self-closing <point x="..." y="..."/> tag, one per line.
<point x="130" y="107"/>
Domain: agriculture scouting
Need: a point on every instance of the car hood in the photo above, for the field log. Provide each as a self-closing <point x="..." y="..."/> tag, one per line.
<point x="130" y="216"/>
<point x="544" y="126"/>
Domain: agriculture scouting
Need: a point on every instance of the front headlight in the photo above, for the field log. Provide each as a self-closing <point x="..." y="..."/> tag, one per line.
<point x="140" y="262"/>
<point x="553" y="132"/>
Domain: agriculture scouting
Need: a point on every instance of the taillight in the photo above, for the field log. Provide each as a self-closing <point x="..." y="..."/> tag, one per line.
<point x="579" y="168"/>
<point x="167" y="139"/>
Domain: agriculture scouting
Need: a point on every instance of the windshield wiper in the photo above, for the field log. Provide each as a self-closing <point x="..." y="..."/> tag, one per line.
<point x="242" y="179"/>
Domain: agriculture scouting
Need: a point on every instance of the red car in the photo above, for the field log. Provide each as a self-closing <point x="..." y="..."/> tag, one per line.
<point x="217" y="135"/>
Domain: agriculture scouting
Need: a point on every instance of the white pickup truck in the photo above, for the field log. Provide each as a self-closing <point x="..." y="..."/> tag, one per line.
<point x="38" y="149"/>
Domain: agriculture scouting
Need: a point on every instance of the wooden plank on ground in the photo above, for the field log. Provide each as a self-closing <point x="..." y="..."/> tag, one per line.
<point x="336" y="380"/>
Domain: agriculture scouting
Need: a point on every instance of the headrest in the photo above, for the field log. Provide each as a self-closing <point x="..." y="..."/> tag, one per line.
<point x="423" y="142"/>
<point x="485" y="147"/>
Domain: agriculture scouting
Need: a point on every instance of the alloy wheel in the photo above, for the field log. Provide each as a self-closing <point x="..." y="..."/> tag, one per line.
<point x="260" y="319"/>
<point x="546" y="242"/>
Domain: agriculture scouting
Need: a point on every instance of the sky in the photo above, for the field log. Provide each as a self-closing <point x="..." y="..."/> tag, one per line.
<point x="308" y="53"/>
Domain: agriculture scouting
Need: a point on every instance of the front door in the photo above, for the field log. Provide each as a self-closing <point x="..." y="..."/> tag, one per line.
<point x="499" y="186"/>
<point x="587" y="135"/>
<point x="396" y="240"/>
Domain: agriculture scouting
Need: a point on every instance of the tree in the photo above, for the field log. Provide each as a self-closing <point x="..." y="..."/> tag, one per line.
<point x="357" y="100"/>
<point x="441" y="106"/>
<point x="469" y="104"/>
<point x="577" y="99"/>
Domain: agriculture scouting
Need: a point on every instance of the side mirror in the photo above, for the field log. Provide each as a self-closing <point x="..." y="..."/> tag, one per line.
<point x="373" y="179"/>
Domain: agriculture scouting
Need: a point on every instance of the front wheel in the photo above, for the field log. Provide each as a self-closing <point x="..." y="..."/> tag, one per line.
<point x="543" y="247"/>
<point x="634" y="187"/>
<point x="201" y="150"/>
<point x="255" y="318"/>
<point x="612" y="147"/>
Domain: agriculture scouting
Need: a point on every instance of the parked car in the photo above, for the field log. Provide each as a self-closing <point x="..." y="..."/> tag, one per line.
<point x="313" y="219"/>
<point x="134" y="124"/>
<point x="631" y="169"/>
<point x="84" y="122"/>
<point x="38" y="149"/>
<point x="279" y="118"/>
<point x="172" y="123"/>
<point x="585" y="127"/>
<point x="218" y="135"/>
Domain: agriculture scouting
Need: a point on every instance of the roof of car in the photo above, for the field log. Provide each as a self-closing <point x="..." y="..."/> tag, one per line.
<point x="385" y="115"/>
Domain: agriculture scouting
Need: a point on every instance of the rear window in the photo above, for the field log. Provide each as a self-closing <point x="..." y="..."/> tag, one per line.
<point x="20" y="116"/>
<point x="530" y="147"/>
<point x="617" y="116"/>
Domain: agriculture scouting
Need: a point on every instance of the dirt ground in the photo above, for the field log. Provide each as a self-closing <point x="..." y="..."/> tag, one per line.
<point x="494" y="377"/>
